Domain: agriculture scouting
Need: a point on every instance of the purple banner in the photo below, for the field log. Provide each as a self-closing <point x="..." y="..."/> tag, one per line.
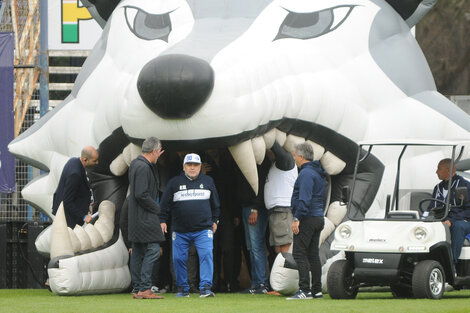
<point x="7" y="117"/>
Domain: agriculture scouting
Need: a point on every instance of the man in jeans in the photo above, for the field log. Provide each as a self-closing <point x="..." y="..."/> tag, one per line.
<point x="307" y="208"/>
<point x="255" y="221"/>
<point x="144" y="229"/>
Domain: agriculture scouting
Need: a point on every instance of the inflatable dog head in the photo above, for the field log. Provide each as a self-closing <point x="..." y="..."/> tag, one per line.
<point x="240" y="74"/>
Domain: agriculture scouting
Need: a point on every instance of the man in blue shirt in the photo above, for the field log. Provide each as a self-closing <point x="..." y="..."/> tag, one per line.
<point x="308" y="210"/>
<point x="192" y="200"/>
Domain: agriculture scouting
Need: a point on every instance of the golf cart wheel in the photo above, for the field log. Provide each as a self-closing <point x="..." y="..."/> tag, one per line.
<point x="428" y="280"/>
<point x="401" y="291"/>
<point x="340" y="281"/>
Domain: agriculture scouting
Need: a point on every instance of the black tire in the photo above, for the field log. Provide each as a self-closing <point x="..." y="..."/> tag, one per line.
<point x="340" y="281"/>
<point x="401" y="291"/>
<point x="428" y="280"/>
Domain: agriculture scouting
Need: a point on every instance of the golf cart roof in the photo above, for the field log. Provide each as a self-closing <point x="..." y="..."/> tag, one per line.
<point x="415" y="142"/>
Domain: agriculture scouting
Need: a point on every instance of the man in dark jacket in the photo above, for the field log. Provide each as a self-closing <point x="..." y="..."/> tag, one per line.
<point x="307" y="208"/>
<point x="74" y="190"/>
<point x="144" y="225"/>
<point x="459" y="215"/>
<point x="194" y="204"/>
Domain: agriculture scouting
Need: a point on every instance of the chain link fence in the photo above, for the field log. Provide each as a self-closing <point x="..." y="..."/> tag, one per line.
<point x="22" y="18"/>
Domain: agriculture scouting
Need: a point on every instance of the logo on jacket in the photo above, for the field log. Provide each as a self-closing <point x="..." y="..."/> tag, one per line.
<point x="182" y="187"/>
<point x="201" y="186"/>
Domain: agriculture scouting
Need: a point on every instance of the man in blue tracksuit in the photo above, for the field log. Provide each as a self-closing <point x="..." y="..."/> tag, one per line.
<point x="192" y="200"/>
<point x="308" y="210"/>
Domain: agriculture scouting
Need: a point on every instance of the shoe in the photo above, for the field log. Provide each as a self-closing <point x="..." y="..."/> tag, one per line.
<point x="250" y="290"/>
<point x="155" y="289"/>
<point x="134" y="293"/>
<point x="273" y="293"/>
<point x="182" y="294"/>
<point x="147" y="294"/>
<point x="262" y="289"/>
<point x="318" y="295"/>
<point x="206" y="293"/>
<point x="300" y="295"/>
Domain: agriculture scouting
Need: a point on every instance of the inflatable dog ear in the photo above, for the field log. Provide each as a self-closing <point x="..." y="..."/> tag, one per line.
<point x="101" y="10"/>
<point x="412" y="11"/>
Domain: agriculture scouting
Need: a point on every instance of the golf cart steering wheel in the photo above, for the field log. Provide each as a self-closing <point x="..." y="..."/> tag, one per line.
<point x="422" y="210"/>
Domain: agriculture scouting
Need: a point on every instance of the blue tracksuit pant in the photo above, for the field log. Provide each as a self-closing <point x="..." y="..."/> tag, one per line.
<point x="203" y="242"/>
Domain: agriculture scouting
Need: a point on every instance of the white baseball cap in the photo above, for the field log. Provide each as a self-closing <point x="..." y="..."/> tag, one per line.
<point x="192" y="158"/>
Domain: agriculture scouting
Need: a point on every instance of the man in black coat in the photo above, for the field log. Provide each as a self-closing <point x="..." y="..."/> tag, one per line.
<point x="144" y="229"/>
<point x="74" y="190"/>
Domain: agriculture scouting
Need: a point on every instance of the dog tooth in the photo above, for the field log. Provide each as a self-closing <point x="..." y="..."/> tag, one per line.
<point x="291" y="142"/>
<point x="126" y="152"/>
<point x="317" y="150"/>
<point x="61" y="244"/>
<point x="130" y="152"/>
<point x="327" y="230"/>
<point x="135" y="151"/>
<point x="259" y="149"/>
<point x="119" y="166"/>
<point x="332" y="164"/>
<point x="269" y="138"/>
<point x="280" y="137"/>
<point x="244" y="156"/>
<point x="74" y="239"/>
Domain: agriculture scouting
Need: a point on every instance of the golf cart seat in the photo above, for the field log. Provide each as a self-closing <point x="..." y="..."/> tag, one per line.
<point x="403" y="215"/>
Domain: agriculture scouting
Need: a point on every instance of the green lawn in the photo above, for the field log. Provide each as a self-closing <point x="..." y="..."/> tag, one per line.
<point x="31" y="300"/>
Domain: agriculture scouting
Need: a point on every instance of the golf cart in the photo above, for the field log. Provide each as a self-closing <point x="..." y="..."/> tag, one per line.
<point x="406" y="250"/>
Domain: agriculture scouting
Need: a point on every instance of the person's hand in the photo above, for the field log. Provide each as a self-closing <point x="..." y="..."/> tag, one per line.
<point x="88" y="218"/>
<point x="163" y="226"/>
<point x="159" y="152"/>
<point x="295" y="227"/>
<point x="236" y="221"/>
<point x="161" y="251"/>
<point x="214" y="227"/>
<point x="130" y="250"/>
<point x="253" y="218"/>
<point x="206" y="167"/>
<point x="448" y="223"/>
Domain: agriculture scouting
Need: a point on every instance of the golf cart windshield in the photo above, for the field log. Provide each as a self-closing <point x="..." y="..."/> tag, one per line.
<point x="398" y="196"/>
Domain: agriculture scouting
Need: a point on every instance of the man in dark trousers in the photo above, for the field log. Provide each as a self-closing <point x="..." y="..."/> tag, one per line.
<point x="144" y="229"/>
<point x="459" y="215"/>
<point x="74" y="190"/>
<point x="308" y="211"/>
<point x="193" y="202"/>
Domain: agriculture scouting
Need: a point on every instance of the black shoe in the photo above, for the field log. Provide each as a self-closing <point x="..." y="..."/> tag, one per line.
<point x="318" y="295"/>
<point x="250" y="290"/>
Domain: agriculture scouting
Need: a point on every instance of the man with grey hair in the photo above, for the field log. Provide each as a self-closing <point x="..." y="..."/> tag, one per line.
<point x="144" y="229"/>
<point x="308" y="210"/>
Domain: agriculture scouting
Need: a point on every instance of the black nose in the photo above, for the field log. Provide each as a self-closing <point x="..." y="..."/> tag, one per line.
<point x="175" y="86"/>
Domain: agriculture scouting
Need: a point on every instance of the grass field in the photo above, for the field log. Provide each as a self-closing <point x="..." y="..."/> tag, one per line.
<point x="32" y="300"/>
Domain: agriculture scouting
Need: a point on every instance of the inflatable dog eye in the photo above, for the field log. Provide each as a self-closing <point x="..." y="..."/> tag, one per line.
<point x="240" y="74"/>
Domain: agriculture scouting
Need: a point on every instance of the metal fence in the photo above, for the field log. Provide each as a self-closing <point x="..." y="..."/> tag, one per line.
<point x="22" y="18"/>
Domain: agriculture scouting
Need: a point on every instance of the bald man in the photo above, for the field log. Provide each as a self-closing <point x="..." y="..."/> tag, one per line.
<point x="74" y="190"/>
<point x="459" y="215"/>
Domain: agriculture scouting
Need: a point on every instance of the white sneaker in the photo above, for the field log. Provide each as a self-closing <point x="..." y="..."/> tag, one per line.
<point x="154" y="289"/>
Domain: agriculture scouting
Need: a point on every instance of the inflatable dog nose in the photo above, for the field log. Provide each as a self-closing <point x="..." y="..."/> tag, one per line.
<point x="175" y="86"/>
